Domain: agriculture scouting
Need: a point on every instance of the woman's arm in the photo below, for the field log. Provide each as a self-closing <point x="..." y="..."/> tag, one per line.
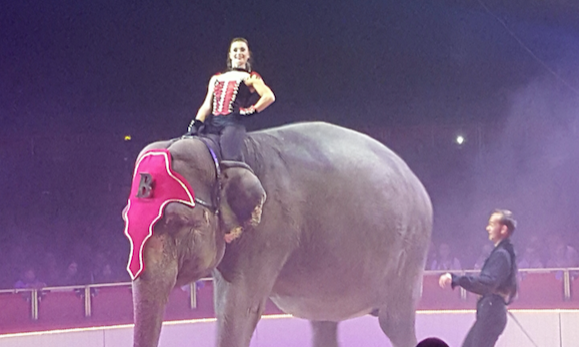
<point x="207" y="105"/>
<point x="266" y="96"/>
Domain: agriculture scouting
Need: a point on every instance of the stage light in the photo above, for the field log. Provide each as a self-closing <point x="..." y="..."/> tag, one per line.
<point x="460" y="139"/>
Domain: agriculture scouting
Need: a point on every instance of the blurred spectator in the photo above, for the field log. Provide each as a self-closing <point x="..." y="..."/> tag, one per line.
<point x="484" y="254"/>
<point x="72" y="276"/>
<point x="81" y="250"/>
<point x="445" y="260"/>
<point x="5" y="267"/>
<point x="28" y="279"/>
<point x="105" y="275"/>
<point x="98" y="262"/>
<point x="50" y="271"/>
<point x="16" y="257"/>
<point x="530" y="259"/>
<point x="102" y="269"/>
<point x="431" y="255"/>
<point x="468" y="254"/>
<point x="562" y="255"/>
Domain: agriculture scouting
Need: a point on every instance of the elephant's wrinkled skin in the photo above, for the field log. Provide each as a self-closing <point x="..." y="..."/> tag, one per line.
<point x="344" y="230"/>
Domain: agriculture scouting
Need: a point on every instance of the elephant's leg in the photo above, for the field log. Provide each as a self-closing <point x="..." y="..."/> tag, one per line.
<point x="324" y="334"/>
<point x="397" y="319"/>
<point x="238" y="308"/>
<point x="151" y="291"/>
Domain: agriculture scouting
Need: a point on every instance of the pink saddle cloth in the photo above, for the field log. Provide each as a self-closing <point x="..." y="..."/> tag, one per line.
<point x="155" y="184"/>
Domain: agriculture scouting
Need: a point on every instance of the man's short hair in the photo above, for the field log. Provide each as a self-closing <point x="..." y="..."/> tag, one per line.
<point x="507" y="219"/>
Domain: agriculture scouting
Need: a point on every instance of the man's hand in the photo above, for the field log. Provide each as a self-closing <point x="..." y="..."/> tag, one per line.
<point x="445" y="280"/>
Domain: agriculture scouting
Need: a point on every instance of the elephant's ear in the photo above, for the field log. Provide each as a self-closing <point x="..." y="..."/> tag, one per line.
<point x="242" y="199"/>
<point x="177" y="215"/>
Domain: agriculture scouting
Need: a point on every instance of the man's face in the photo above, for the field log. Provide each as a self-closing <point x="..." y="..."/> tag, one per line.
<point x="497" y="231"/>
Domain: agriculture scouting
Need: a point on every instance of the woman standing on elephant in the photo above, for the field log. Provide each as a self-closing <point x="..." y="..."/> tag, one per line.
<point x="228" y="100"/>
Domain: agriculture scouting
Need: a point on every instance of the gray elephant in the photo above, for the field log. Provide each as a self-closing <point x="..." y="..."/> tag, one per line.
<point x="342" y="232"/>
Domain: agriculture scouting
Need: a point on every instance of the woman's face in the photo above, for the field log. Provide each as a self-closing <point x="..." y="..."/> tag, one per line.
<point x="239" y="54"/>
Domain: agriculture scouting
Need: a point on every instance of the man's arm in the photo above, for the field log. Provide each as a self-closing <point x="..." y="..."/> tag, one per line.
<point x="495" y="272"/>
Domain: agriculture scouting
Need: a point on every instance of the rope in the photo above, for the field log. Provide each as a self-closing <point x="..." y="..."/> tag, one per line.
<point x="526" y="48"/>
<point x="523" y="329"/>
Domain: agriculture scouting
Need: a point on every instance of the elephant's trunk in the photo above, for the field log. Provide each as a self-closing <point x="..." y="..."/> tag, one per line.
<point x="148" y="319"/>
<point x="151" y="292"/>
<point x="148" y="307"/>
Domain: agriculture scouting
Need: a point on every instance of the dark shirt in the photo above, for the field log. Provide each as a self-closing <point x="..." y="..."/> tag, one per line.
<point x="498" y="274"/>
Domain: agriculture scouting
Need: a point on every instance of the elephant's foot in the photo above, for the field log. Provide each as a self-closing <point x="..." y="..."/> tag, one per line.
<point x="397" y="321"/>
<point x="233" y="234"/>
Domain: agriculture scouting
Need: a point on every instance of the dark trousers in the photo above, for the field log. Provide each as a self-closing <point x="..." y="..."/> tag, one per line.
<point x="231" y="141"/>
<point x="491" y="320"/>
<point x="231" y="135"/>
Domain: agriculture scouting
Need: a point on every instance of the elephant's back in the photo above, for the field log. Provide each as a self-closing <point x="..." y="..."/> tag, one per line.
<point x="319" y="140"/>
<point x="334" y="154"/>
<point x="361" y="216"/>
<point x="320" y="164"/>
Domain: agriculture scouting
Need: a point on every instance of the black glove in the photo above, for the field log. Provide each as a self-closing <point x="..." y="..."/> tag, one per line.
<point x="247" y="111"/>
<point x="194" y="127"/>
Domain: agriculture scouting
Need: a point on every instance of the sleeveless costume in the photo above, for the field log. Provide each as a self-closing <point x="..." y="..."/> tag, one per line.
<point x="232" y="100"/>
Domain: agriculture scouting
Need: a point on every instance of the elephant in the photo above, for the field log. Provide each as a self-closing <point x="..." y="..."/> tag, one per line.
<point x="327" y="222"/>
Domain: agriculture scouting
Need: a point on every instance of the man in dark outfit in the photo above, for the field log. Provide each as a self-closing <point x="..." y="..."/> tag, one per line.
<point x="496" y="283"/>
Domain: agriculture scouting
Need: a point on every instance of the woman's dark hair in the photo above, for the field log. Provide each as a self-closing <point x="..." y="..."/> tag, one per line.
<point x="248" y="64"/>
<point x="507" y="219"/>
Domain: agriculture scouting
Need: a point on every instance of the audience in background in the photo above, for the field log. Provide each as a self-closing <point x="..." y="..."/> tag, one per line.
<point x="52" y="251"/>
<point x="102" y="270"/>
<point x="51" y="273"/>
<point x="105" y="275"/>
<point x="531" y="257"/>
<point x="28" y="258"/>
<point x="28" y="279"/>
<point x="431" y="255"/>
<point x="484" y="254"/>
<point x="72" y="276"/>
<point x="561" y="254"/>
<point x="445" y="260"/>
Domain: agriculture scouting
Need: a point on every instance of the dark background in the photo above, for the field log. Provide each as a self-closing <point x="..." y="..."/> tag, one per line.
<point x="77" y="77"/>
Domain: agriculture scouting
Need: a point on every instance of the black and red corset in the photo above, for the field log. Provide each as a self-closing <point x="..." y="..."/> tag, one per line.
<point x="230" y="93"/>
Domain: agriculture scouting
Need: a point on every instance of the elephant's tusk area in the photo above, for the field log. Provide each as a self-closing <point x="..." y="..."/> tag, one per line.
<point x="233" y="234"/>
